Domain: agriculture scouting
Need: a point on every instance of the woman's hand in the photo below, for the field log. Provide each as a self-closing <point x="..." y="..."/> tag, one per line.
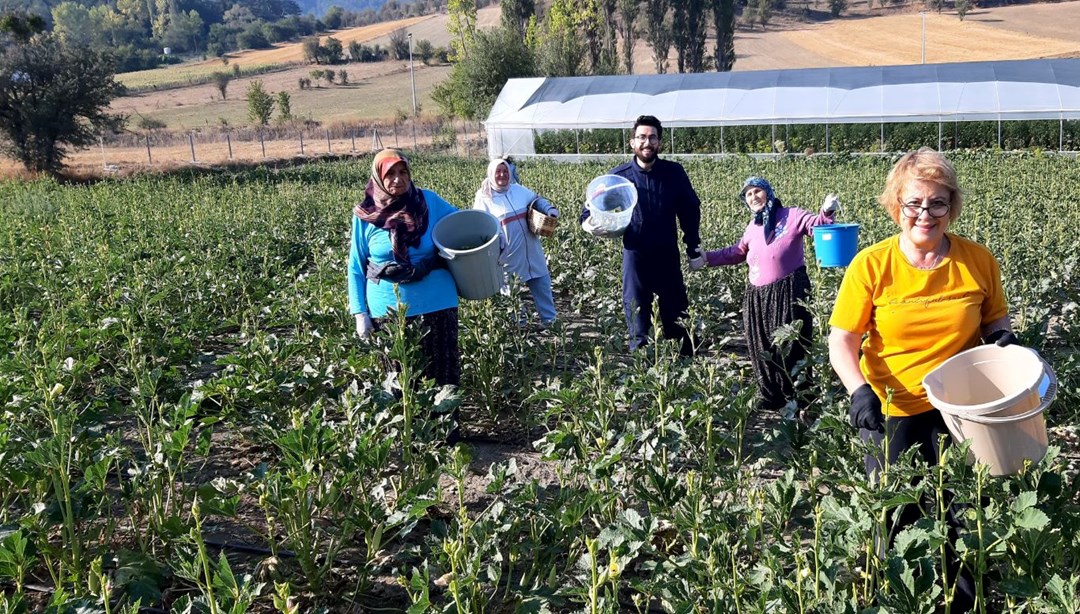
<point x="697" y="258"/>
<point x="364" y="325"/>
<point x="865" y="410"/>
<point x="831" y="205"/>
<point x="1001" y="337"/>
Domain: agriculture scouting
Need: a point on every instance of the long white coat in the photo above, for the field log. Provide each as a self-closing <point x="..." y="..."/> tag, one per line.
<point x="523" y="255"/>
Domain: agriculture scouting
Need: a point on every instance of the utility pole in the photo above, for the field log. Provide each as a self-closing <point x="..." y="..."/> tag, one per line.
<point x="921" y="13"/>
<point x="412" y="72"/>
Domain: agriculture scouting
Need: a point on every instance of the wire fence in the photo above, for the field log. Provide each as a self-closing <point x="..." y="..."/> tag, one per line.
<point x="223" y="146"/>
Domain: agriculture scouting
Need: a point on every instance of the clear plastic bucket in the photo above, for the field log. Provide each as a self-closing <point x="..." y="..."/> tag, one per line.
<point x="469" y="241"/>
<point x="836" y="244"/>
<point x="611" y="200"/>
<point x="995" y="397"/>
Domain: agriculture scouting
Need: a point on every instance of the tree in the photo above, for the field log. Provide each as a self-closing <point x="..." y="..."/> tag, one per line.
<point x="356" y="51"/>
<point x="658" y="32"/>
<point x="329" y="75"/>
<point x="260" y="103"/>
<point x="333" y="17"/>
<point x="724" y="24"/>
<point x="284" y="105"/>
<point x="424" y="50"/>
<point x="474" y="84"/>
<point x="561" y="48"/>
<point x="399" y="44"/>
<point x="462" y="27"/>
<point x="221" y="81"/>
<point x="52" y="97"/>
<point x="962" y="8"/>
<point x="628" y="11"/>
<point x="185" y="32"/>
<point x="688" y="34"/>
<point x="316" y="75"/>
<point x="72" y="24"/>
<point x="343" y="76"/>
<point x="312" y="49"/>
<point x="516" y="14"/>
<point x="333" y="51"/>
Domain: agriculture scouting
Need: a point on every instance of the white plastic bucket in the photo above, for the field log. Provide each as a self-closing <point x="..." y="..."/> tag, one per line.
<point x="995" y="397"/>
<point x="469" y="241"/>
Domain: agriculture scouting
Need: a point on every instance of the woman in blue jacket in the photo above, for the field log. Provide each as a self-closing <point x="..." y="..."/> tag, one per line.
<point x="392" y="257"/>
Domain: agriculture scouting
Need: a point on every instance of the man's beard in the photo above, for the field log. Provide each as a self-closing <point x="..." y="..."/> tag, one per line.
<point x="644" y="160"/>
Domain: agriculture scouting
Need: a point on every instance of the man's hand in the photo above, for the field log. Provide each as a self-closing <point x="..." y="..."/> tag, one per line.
<point x="364" y="325"/>
<point x="865" y="410"/>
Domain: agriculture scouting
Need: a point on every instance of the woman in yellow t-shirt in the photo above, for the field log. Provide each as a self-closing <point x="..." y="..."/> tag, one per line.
<point x="909" y="303"/>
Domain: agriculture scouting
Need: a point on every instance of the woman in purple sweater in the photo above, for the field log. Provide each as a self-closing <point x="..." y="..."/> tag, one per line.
<point x="772" y="247"/>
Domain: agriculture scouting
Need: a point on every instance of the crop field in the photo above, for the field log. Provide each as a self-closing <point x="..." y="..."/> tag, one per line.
<point x="190" y="424"/>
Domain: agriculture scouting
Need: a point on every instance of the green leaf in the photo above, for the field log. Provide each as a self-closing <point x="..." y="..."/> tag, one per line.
<point x="1032" y="518"/>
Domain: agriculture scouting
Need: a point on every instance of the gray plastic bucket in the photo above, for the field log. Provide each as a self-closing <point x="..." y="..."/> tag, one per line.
<point x="469" y="241"/>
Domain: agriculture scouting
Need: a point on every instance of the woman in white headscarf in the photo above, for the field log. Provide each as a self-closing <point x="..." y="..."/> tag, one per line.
<point x="522" y="255"/>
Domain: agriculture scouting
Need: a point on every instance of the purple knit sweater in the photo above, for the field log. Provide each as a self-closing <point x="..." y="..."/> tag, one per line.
<point x="773" y="261"/>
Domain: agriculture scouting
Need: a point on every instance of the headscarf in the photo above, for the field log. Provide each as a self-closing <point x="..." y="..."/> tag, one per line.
<point x="405" y="217"/>
<point x="488" y="187"/>
<point x="767" y="215"/>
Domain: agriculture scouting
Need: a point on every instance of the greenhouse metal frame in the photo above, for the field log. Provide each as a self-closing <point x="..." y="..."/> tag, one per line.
<point x="999" y="91"/>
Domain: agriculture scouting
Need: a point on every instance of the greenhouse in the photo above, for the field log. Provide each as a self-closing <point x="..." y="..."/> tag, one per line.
<point x="1043" y="92"/>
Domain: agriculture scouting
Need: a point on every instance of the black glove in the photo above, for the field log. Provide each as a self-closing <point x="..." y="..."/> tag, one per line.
<point x="403" y="273"/>
<point x="865" y="411"/>
<point x="1001" y="337"/>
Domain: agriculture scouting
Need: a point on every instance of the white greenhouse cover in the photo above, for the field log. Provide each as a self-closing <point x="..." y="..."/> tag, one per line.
<point x="967" y="91"/>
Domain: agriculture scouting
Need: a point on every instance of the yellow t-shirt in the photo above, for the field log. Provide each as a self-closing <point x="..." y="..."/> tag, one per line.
<point x="915" y="319"/>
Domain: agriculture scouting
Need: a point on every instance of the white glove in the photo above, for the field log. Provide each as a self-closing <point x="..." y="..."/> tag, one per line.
<point x="590" y="226"/>
<point x="364" y="325"/>
<point x="831" y="204"/>
<point x="697" y="262"/>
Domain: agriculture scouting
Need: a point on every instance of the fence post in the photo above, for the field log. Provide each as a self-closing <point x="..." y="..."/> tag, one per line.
<point x="104" y="162"/>
<point x="465" y="136"/>
<point x="414" y="134"/>
<point x="149" y="158"/>
<point x="262" y="143"/>
<point x="228" y="140"/>
<point x="328" y="141"/>
<point x="397" y="145"/>
<point x="352" y="136"/>
<point x="191" y="142"/>
<point x="301" y="142"/>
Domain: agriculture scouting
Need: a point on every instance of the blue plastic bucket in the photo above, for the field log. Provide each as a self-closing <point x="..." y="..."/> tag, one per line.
<point x="836" y="244"/>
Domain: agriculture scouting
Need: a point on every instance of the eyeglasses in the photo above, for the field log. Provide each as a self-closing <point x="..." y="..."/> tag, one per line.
<point x="652" y="138"/>
<point x="935" y="209"/>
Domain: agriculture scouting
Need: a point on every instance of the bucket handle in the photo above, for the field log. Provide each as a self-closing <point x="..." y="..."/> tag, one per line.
<point x="446" y="255"/>
<point x="1044" y="403"/>
<point x="1001" y="420"/>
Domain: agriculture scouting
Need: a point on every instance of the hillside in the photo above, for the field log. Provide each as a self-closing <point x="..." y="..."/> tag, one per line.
<point x="865" y="37"/>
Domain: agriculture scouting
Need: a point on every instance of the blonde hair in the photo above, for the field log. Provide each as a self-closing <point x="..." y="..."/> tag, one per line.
<point x="926" y="165"/>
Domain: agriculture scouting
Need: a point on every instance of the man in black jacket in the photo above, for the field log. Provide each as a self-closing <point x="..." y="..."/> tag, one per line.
<point x="650" y="243"/>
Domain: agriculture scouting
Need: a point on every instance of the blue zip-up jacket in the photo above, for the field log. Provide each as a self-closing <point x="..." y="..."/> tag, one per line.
<point x="664" y="196"/>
